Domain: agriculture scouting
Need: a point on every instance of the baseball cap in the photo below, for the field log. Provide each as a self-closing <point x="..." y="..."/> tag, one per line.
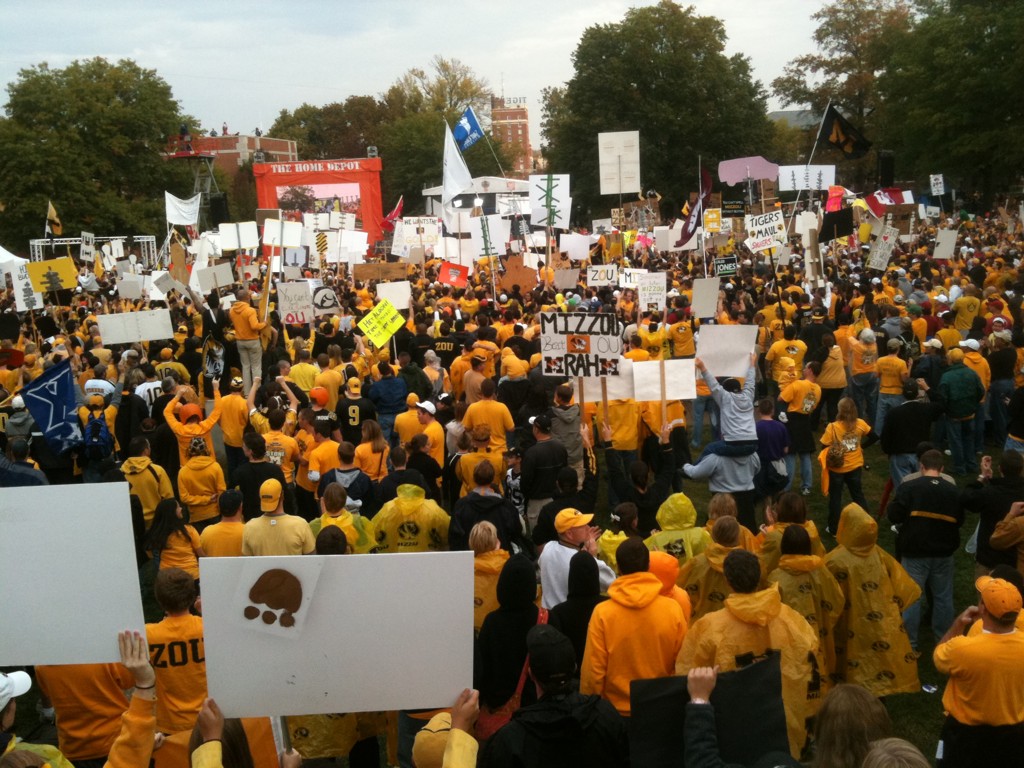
<point x="428" y="407"/>
<point x="270" y="495"/>
<point x="541" y="422"/>
<point x="431" y="741"/>
<point x="876" y="281"/>
<point x="933" y="343"/>
<point x="971" y="344"/>
<point x="18" y="403"/>
<point x="412" y="399"/>
<point x="319" y="395"/>
<point x="942" y="298"/>
<point x="190" y="411"/>
<point x="571" y="518"/>
<point x="354" y="385"/>
<point x="552" y="657"/>
<point x="12" y="685"/>
<point x="999" y="596"/>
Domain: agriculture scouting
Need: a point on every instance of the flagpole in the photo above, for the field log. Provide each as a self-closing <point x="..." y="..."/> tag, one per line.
<point x="700" y="216"/>
<point x="810" y="160"/>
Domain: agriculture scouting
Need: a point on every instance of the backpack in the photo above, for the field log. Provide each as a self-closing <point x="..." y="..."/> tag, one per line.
<point x="99" y="443"/>
<point x="836" y="453"/>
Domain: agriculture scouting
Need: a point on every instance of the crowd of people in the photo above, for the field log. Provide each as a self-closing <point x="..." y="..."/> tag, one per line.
<point x="594" y="566"/>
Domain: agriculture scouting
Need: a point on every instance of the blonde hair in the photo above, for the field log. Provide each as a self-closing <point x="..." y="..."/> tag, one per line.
<point x="894" y="753"/>
<point x="847" y="412"/>
<point x="483" y="538"/>
<point x="721" y="505"/>
<point x="373" y="435"/>
<point x="849" y="720"/>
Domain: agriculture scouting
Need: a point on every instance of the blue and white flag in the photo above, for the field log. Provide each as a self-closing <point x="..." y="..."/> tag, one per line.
<point x="51" y="401"/>
<point x="468" y="131"/>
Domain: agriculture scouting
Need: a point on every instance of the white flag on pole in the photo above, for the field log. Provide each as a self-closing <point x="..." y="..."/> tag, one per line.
<point x="456" y="175"/>
<point x="185" y="212"/>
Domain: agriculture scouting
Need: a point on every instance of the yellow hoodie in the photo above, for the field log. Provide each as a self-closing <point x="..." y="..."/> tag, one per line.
<point x="750" y="626"/>
<point x="486" y="569"/>
<point x="147" y="481"/>
<point x="247" y="325"/>
<point x="770" y="541"/>
<point x="411" y="523"/>
<point x="198" y="480"/>
<point x="871" y="647"/>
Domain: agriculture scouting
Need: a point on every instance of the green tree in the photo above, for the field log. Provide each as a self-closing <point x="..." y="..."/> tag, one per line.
<point x="855" y="43"/>
<point x="662" y="70"/>
<point x="90" y="138"/>
<point x="949" y="95"/>
<point x="334" y="130"/>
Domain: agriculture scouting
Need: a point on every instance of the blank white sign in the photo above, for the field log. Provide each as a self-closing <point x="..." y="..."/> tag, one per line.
<point x="126" y="327"/>
<point x="217" y="276"/>
<point x="380" y="632"/>
<point x="680" y="381"/>
<point x="725" y="349"/>
<point x="399" y="292"/>
<point x="70" y="580"/>
<point x="705" y="297"/>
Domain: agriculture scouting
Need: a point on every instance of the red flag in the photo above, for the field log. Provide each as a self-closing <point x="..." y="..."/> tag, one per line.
<point x="883" y="198"/>
<point x="454" y="275"/>
<point x="388" y="225"/>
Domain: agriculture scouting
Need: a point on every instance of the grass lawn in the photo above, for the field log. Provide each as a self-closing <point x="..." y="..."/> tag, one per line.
<point x="916" y="717"/>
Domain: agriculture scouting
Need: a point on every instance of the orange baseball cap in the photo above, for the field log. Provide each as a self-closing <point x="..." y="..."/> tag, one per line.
<point x="999" y="596"/>
<point x="190" y="411"/>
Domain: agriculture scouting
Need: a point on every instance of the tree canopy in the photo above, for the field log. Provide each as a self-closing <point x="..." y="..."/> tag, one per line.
<point x="663" y="71"/>
<point x="89" y="137"/>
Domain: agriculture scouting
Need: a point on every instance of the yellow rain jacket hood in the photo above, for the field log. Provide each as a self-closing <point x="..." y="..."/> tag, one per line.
<point x="678" y="536"/>
<point x="411" y="523"/>
<point x="703" y="580"/>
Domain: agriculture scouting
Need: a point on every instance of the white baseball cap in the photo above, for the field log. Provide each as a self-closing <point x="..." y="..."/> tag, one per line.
<point x="12" y="685"/>
<point x="934" y="343"/>
<point x="971" y="344"/>
<point x="428" y="407"/>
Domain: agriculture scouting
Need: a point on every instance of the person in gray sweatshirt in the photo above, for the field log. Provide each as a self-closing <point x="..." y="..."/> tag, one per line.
<point x="736" y="412"/>
<point x="565" y="427"/>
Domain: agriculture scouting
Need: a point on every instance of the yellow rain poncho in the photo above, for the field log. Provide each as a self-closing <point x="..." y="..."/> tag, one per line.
<point x="751" y="626"/>
<point x="871" y="645"/>
<point x="486" y="569"/>
<point x="358" y="530"/>
<point x="770" y="540"/>
<point x="411" y="523"/>
<point x="810" y="589"/>
<point x="678" y="535"/>
<point x="703" y="580"/>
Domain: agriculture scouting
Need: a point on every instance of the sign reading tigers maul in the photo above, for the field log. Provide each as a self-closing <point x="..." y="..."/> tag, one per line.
<point x="579" y="344"/>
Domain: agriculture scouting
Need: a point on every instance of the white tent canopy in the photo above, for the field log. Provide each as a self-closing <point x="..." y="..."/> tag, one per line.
<point x="8" y="261"/>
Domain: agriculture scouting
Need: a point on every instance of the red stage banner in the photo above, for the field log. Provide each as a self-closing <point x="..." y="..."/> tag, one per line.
<point x="322" y="186"/>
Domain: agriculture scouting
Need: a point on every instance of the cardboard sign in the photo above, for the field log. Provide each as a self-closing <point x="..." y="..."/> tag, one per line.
<point x="129" y="287"/>
<point x="295" y="303"/>
<point x="325" y="301"/>
<point x="938" y="184"/>
<point x="713" y="220"/>
<point x="294" y="679"/>
<point x="128" y="327"/>
<point x="87" y="249"/>
<point x="45" y="586"/>
<point x="381" y="323"/>
<point x="618" y="387"/>
<point x="566" y="279"/>
<point x="705" y="297"/>
<point x="881" y="250"/>
<point x="380" y="270"/>
<point x="945" y="244"/>
<point x="680" y="381"/>
<point x="489" y="234"/>
<point x="765" y="230"/>
<point x="618" y="155"/>
<point x="650" y="291"/>
<point x="217" y="276"/>
<point x="549" y="200"/>
<point x="725" y="349"/>
<point x="242" y="234"/>
<point x="399" y="293"/>
<point x="53" y="274"/>
<point x="25" y="297"/>
<point x="419" y="230"/>
<point x="601" y="274"/>
<point x="454" y="275"/>
<point x="629" y="276"/>
<point x="576" y="246"/>
<point x="601" y="226"/>
<point x="579" y="344"/>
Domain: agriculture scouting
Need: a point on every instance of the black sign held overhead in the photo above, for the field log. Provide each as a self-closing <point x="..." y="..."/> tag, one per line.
<point x="727" y="265"/>
<point x="731" y="208"/>
<point x="835" y="225"/>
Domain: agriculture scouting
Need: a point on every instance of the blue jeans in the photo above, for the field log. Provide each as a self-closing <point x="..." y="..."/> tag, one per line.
<point x="999" y="392"/>
<point x="901" y="465"/>
<point x="864" y="391"/>
<point x="387" y="426"/>
<point x="885" y="404"/>
<point x="701" y="404"/>
<point x="1013" y="445"/>
<point x="806" y="478"/>
<point x="961" y="445"/>
<point x="936" y="573"/>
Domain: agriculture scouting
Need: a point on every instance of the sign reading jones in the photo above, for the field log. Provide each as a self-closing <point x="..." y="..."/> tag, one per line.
<point x="580" y="344"/>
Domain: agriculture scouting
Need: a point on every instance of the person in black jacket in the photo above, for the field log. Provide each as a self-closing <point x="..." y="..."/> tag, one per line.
<point x="991" y="498"/>
<point x="568" y="496"/>
<point x="541" y="463"/>
<point x="637" y="486"/>
<point x="572" y="617"/>
<point x="399" y="475"/>
<point x="250" y="476"/>
<point x="480" y="504"/>
<point x="929" y="515"/>
<point x="906" y="426"/>
<point x="564" y="727"/>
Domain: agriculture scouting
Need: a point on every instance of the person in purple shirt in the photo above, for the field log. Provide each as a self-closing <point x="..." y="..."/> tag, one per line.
<point x="772" y="447"/>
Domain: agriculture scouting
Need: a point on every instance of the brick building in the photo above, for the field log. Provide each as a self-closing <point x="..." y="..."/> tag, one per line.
<point x="510" y="123"/>
<point x="229" y="152"/>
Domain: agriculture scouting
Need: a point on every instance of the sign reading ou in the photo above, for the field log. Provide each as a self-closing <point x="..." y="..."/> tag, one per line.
<point x="295" y="318"/>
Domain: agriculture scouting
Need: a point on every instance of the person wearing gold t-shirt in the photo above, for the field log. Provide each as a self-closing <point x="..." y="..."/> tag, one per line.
<point x="892" y="372"/>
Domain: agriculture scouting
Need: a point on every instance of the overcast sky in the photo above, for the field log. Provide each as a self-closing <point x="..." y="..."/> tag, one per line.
<point x="241" y="63"/>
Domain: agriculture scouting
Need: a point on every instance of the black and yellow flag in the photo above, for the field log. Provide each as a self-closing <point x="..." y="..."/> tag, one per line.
<point x="840" y="133"/>
<point x="53" y="225"/>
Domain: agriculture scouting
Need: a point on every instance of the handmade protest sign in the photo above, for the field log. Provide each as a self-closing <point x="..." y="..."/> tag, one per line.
<point x="566" y="279"/>
<point x="398" y="293"/>
<point x="705" y="297"/>
<point x="381" y="323"/>
<point x="618" y="387"/>
<point x="325" y="300"/>
<point x="579" y="344"/>
<point x="765" y="230"/>
<point x="424" y="632"/>
<point x="881" y="250"/>
<point x="629" y="276"/>
<point x="945" y="244"/>
<point x="725" y="349"/>
<point x="576" y="246"/>
<point x="618" y="154"/>
<point x="938" y="184"/>
<point x="602" y="274"/>
<point x="26" y="298"/>
<point x="680" y="381"/>
<point x="126" y="327"/>
<point x="46" y="589"/>
<point x="549" y="199"/>
<point x="295" y="303"/>
<point x="53" y="274"/>
<point x="806" y="177"/>
<point x="650" y="291"/>
<point x="129" y="287"/>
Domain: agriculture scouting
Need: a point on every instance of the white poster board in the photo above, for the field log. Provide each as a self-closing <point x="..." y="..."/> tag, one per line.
<point x="128" y="327"/>
<point x="705" y="297"/>
<point x="602" y="274"/>
<point x="945" y="244"/>
<point x="680" y="381"/>
<point x="25" y="298"/>
<point x="129" y="287"/>
<point x="806" y="177"/>
<point x="619" y="387"/>
<point x="578" y="344"/>
<point x="424" y="633"/>
<point x="490" y="235"/>
<point x="549" y="200"/>
<point x="619" y="162"/>
<point x="566" y="279"/>
<point x="765" y="230"/>
<point x="577" y="247"/>
<point x="217" y="276"/>
<point x="242" y="234"/>
<point x="725" y="349"/>
<point x="295" y="302"/>
<point x="629" y="276"/>
<point x="58" y="610"/>
<point x="288" y="234"/>
<point x="881" y="250"/>
<point x="399" y="293"/>
<point x="650" y="292"/>
<point x="938" y="184"/>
